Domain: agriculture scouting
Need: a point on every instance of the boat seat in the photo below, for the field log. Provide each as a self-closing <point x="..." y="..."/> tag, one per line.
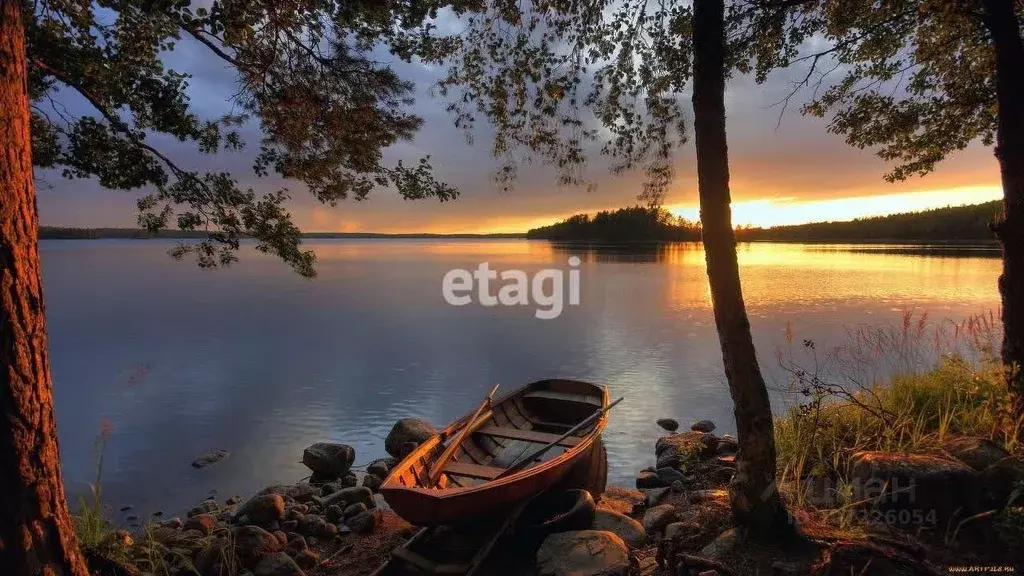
<point x="470" y="470"/>
<point x="564" y="396"/>
<point x="527" y="435"/>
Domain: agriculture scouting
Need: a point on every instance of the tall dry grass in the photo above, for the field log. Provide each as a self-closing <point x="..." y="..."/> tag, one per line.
<point x="908" y="386"/>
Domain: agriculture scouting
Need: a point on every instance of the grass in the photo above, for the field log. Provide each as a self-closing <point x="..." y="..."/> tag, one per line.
<point x="908" y="387"/>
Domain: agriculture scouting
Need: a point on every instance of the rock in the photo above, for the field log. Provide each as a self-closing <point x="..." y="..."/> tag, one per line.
<point x="727" y="445"/>
<point x="210" y="561"/>
<point x="657" y="518"/>
<point x="681" y="529"/>
<point x="313" y="525"/>
<point x="654" y="496"/>
<point x="364" y="522"/>
<point x="621" y="500"/>
<point x="330" y="488"/>
<point x="211" y="457"/>
<point x="302" y="492"/>
<point x="583" y="553"/>
<point x="897" y="481"/>
<point x="353" y="510"/>
<point x="334" y="513"/>
<point x="669" y="459"/>
<point x="328" y="458"/>
<point x="279" y="564"/>
<point x="998" y="481"/>
<point x="290" y="525"/>
<point x="253" y="544"/>
<point x="372" y="482"/>
<point x="668" y="476"/>
<point x="723" y="545"/>
<point x="349" y="481"/>
<point x="174" y="523"/>
<point x="263" y="509"/>
<point x="647" y="479"/>
<point x="381" y="468"/>
<point x="204" y="507"/>
<point x="708" y="573"/>
<point x="978" y="453"/>
<point x="631" y="531"/>
<point x="281" y="537"/>
<point x="350" y="496"/>
<point x="281" y="489"/>
<point x="296" y="542"/>
<point x="233" y="500"/>
<point x="204" y="523"/>
<point x="704" y="496"/>
<point x="317" y="479"/>
<point x="407" y="430"/>
<point x="306" y="558"/>
<point x="706" y="426"/>
<point x="669" y="424"/>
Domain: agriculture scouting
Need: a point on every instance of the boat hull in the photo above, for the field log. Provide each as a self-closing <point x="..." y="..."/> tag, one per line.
<point x="449" y="502"/>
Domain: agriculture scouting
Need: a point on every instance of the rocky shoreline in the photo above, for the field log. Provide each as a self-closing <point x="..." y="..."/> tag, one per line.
<point x="676" y="521"/>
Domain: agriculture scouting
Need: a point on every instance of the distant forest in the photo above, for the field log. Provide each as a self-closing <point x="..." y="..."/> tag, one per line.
<point x="641" y="224"/>
<point x="635" y="224"/>
<point x="59" y="233"/>
<point x="951" y="224"/>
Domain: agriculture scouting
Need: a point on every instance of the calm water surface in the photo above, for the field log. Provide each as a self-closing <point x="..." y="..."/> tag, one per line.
<point x="260" y="362"/>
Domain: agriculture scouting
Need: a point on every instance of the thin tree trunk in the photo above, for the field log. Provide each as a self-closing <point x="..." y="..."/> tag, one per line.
<point x="1002" y="24"/>
<point x="36" y="534"/>
<point x="755" y="499"/>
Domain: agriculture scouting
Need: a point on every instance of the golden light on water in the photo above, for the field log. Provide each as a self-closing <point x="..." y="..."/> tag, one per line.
<point x="790" y="210"/>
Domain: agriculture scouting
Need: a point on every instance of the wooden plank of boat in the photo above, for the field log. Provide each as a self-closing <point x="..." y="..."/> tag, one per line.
<point x="528" y="435"/>
<point x="474" y="482"/>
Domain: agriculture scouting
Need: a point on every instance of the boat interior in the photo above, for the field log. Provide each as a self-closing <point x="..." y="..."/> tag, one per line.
<point x="514" y="427"/>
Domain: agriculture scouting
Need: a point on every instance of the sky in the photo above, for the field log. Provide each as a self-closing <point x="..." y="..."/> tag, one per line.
<point x="783" y="171"/>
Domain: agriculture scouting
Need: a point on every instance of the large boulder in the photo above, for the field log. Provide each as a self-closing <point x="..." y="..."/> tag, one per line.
<point x="328" y="459"/>
<point x="583" y="553"/>
<point x="405" y="431"/>
<point x="933" y="486"/>
<point x="262" y="509"/>
<point x="631" y="531"/>
<point x="978" y="453"/>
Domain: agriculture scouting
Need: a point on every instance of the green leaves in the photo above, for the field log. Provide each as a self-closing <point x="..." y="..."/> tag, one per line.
<point x="325" y="106"/>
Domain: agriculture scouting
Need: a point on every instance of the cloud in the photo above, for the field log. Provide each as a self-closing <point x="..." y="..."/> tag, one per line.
<point x="771" y="158"/>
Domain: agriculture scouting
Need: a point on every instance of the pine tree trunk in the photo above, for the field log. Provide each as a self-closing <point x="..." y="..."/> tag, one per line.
<point x="36" y="534"/>
<point x="755" y="499"/>
<point x="1002" y="24"/>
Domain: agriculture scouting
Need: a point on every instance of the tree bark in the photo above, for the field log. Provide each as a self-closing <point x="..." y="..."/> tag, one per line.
<point x="36" y="533"/>
<point x="1001" y="21"/>
<point x="755" y="499"/>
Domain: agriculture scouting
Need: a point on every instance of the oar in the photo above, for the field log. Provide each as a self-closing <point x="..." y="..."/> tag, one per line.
<point x="541" y="451"/>
<point x="435" y="471"/>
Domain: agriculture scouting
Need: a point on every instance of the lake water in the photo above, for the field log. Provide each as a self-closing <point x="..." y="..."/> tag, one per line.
<point x="262" y="363"/>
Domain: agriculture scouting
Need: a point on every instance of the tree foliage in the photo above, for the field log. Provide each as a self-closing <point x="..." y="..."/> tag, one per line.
<point x="633" y="224"/>
<point x="306" y="72"/>
<point x="912" y="79"/>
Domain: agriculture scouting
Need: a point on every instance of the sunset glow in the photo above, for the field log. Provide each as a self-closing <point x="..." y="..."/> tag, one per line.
<point x="783" y="211"/>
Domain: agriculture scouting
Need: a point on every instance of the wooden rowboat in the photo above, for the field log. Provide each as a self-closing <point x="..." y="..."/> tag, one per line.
<point x="474" y="482"/>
